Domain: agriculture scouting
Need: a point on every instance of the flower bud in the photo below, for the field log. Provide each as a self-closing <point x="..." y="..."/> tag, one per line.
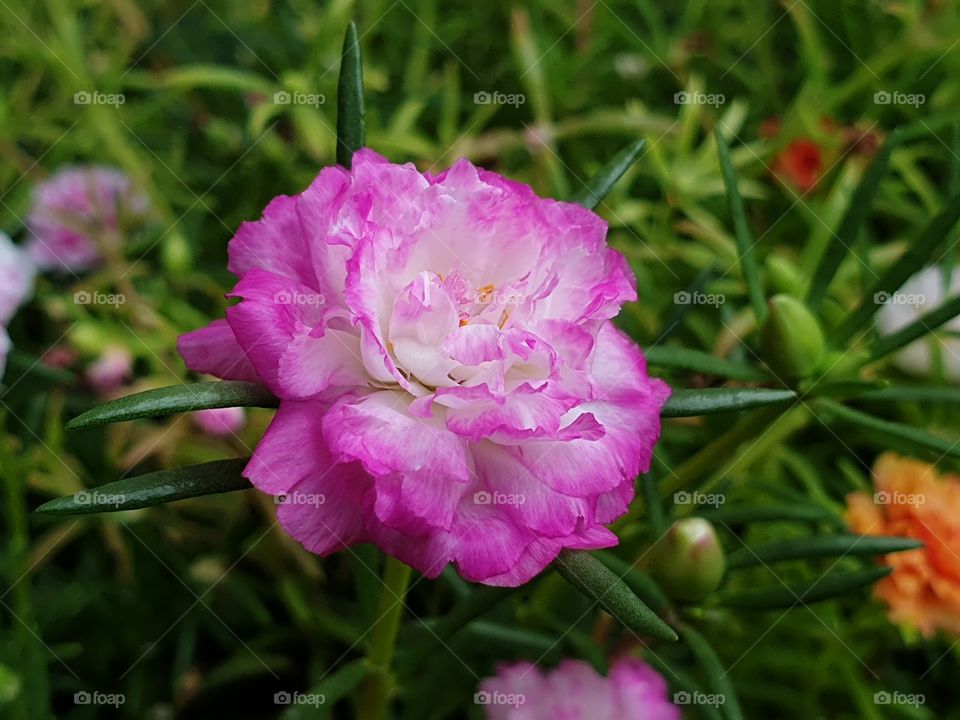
<point x="791" y="338"/>
<point x="784" y="275"/>
<point x="688" y="561"/>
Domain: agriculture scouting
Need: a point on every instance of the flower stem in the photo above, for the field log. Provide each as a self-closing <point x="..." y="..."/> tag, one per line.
<point x="378" y="689"/>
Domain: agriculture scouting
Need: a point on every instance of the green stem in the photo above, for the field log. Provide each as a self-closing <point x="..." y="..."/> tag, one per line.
<point x="717" y="453"/>
<point x="378" y="689"/>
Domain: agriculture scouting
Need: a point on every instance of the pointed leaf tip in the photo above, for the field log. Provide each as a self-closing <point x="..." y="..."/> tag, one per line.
<point x="176" y="399"/>
<point x="154" y="488"/>
<point x="351" y="125"/>
<point x="601" y="585"/>
<point x="597" y="187"/>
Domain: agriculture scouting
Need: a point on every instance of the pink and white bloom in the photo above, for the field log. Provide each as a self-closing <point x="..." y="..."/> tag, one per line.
<point x="922" y="293"/>
<point x="221" y="422"/>
<point x="17" y="273"/>
<point x="76" y="211"/>
<point x="449" y="378"/>
<point x="575" y="691"/>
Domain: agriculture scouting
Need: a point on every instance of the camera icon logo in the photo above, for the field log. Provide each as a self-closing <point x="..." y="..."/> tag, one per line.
<point x="282" y="97"/>
<point x="882" y="97"/>
<point x="482" y="498"/>
<point x="482" y="98"/>
<point x="282" y="698"/>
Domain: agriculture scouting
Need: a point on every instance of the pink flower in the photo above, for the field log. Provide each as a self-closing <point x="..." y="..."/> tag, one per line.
<point x="449" y="377"/>
<point x="575" y="691"/>
<point x="74" y="212"/>
<point x="16" y="278"/>
<point x="221" y="422"/>
<point x="109" y="371"/>
<point x="16" y="283"/>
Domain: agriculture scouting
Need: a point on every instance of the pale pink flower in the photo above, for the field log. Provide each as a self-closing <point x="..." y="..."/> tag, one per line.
<point x="575" y="691"/>
<point x="221" y="422"/>
<point x="109" y="371"/>
<point x="76" y="210"/>
<point x="449" y="377"/>
<point x="17" y="273"/>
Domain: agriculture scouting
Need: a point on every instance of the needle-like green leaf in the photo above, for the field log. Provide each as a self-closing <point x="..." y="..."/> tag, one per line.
<point x="700" y="362"/>
<point x="740" y="514"/>
<point x="600" y="584"/>
<point x="597" y="187"/>
<point x="717" y="676"/>
<point x="332" y="688"/>
<point x="778" y="597"/>
<point x="154" y="488"/>
<point x="688" y="403"/>
<point x="742" y="234"/>
<point x="176" y="399"/>
<point x="819" y="546"/>
<point x="917" y="329"/>
<point x="897" y="434"/>
<point x="914" y="393"/>
<point x="854" y="218"/>
<point x="351" y="125"/>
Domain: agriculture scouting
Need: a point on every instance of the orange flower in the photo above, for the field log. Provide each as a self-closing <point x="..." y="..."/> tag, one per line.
<point x="913" y="500"/>
<point x="800" y="163"/>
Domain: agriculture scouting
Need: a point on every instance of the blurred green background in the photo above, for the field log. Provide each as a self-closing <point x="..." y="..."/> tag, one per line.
<point x="205" y="607"/>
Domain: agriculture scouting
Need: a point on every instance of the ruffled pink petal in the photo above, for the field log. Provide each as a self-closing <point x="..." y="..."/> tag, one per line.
<point x="280" y="327"/>
<point x="214" y="350"/>
<point x="377" y="430"/>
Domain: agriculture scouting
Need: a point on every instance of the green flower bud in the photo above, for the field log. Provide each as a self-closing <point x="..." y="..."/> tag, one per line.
<point x="175" y="253"/>
<point x="791" y="338"/>
<point x="688" y="561"/>
<point x="784" y="275"/>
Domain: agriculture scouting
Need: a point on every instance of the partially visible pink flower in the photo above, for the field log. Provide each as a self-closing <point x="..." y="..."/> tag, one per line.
<point x="109" y="371"/>
<point x="75" y="210"/>
<point x="575" y="691"/>
<point x="221" y="422"/>
<point x="17" y="273"/>
<point x="449" y="378"/>
<point x="16" y="283"/>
